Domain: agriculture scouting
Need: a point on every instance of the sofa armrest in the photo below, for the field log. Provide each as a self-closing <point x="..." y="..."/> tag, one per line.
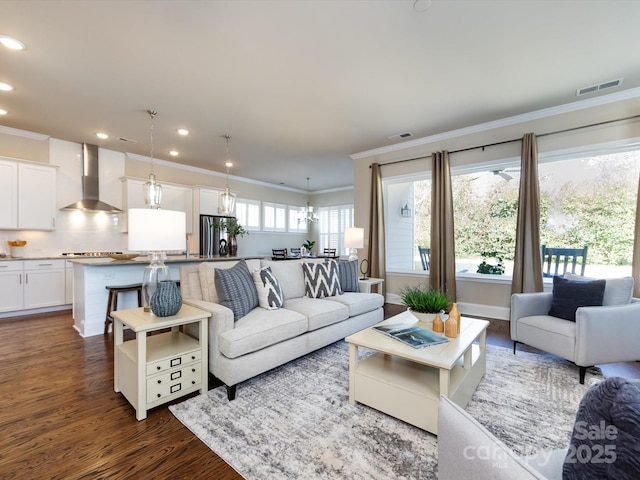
<point x="220" y="321"/>
<point x="467" y="450"/>
<point x="607" y="334"/>
<point x="528" y="305"/>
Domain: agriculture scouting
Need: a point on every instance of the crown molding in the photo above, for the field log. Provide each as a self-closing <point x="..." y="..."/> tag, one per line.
<point x="23" y="133"/>
<point x="505" y="122"/>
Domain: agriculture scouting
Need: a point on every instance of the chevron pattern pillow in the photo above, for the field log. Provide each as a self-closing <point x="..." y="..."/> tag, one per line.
<point x="270" y="294"/>
<point x="236" y="289"/>
<point x="321" y="279"/>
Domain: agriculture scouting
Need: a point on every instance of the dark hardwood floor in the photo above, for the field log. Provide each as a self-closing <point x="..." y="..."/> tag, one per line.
<point x="60" y="418"/>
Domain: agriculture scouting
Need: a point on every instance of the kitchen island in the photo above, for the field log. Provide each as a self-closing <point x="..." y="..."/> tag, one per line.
<point x="92" y="275"/>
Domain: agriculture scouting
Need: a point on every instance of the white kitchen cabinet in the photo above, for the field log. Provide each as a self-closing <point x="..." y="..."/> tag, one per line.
<point x="11" y="286"/>
<point x="36" y="197"/>
<point x="44" y="283"/>
<point x="208" y="201"/>
<point x="8" y="194"/>
<point x="174" y="197"/>
<point x="27" y="195"/>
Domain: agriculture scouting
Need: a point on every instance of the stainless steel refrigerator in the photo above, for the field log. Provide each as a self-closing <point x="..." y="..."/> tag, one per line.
<point x="210" y="236"/>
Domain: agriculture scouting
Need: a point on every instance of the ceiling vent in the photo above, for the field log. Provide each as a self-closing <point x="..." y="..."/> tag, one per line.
<point x="400" y="136"/>
<point x="129" y="140"/>
<point x="596" y="88"/>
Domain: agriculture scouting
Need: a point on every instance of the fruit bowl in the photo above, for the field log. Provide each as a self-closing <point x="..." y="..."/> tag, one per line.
<point x="123" y="256"/>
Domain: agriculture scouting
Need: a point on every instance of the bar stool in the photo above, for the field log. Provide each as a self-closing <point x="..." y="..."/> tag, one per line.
<point x="112" y="302"/>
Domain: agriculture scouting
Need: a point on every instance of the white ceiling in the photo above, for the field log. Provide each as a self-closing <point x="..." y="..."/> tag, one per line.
<point x="300" y="85"/>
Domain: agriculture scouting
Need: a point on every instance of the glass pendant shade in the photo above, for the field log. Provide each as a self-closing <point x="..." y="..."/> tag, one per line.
<point x="227" y="202"/>
<point x="152" y="192"/>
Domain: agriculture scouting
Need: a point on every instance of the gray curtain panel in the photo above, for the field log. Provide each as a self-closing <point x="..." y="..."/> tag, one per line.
<point x="635" y="266"/>
<point x="376" y="249"/>
<point x="527" y="264"/>
<point x="442" y="275"/>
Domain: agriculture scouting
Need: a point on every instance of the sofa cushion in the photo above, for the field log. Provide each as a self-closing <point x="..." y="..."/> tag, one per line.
<point x="269" y="289"/>
<point x="605" y="443"/>
<point x="617" y="291"/>
<point x="236" y="289"/>
<point x="359" y="303"/>
<point x="206" y="271"/>
<point x="319" y="312"/>
<point x="348" y="275"/>
<point x="289" y="274"/>
<point x="568" y="295"/>
<point x="321" y="279"/>
<point x="259" y="329"/>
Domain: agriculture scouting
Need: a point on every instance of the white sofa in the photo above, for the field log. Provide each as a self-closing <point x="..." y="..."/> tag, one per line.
<point x="264" y="339"/>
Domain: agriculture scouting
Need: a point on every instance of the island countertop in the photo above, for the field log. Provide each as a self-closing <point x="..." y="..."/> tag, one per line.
<point x="145" y="259"/>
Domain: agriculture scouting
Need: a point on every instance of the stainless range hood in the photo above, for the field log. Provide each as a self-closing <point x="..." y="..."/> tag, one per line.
<point x="90" y="184"/>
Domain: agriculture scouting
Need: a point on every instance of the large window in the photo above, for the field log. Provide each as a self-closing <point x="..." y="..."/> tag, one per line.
<point x="333" y="221"/>
<point x="275" y="217"/>
<point x="584" y="200"/>
<point x="248" y="213"/>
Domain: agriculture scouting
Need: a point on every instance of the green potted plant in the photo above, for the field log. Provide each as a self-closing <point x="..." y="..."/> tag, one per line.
<point x="308" y="245"/>
<point x="490" y="268"/>
<point x="233" y="229"/>
<point x="424" y="302"/>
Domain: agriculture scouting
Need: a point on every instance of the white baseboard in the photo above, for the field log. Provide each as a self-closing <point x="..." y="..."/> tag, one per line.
<point x="488" y="311"/>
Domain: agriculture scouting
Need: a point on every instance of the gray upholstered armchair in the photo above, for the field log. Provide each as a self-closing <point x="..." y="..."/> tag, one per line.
<point x="600" y="334"/>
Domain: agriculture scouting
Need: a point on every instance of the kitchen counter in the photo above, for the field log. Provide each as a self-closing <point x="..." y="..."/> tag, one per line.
<point x="144" y="259"/>
<point x="92" y="274"/>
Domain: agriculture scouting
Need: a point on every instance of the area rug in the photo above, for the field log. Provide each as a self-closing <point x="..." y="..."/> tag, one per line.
<point x="296" y="421"/>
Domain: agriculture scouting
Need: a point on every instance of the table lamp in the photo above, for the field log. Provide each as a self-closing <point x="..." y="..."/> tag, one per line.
<point x="155" y="231"/>
<point x="353" y="239"/>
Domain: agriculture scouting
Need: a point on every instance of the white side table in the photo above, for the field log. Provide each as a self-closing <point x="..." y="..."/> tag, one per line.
<point x="366" y="284"/>
<point x="152" y="370"/>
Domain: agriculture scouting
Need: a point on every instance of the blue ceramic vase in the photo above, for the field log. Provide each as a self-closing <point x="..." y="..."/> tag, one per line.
<point x="166" y="300"/>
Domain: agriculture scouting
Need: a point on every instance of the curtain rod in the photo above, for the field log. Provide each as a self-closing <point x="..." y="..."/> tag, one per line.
<point x="516" y="139"/>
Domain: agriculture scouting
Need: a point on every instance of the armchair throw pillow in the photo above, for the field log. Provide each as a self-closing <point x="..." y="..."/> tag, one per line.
<point x="236" y="289"/>
<point x="568" y="295"/>
<point x="321" y="279"/>
<point x="270" y="294"/>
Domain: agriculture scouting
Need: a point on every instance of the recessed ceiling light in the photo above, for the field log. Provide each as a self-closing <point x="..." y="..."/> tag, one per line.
<point x="183" y="131"/>
<point x="228" y="164"/>
<point x="12" y="43"/>
<point x="6" y="87"/>
<point x="102" y="135"/>
<point x="3" y="111"/>
<point x="173" y="153"/>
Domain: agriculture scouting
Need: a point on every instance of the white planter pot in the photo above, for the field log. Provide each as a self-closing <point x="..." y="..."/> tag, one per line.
<point x="424" y="317"/>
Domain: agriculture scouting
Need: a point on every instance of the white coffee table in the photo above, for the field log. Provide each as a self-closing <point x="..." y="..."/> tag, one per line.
<point x="407" y="382"/>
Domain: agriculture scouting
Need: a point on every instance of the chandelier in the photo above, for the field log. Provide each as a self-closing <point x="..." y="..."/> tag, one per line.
<point x="308" y="215"/>
<point x="152" y="190"/>
<point x="226" y="199"/>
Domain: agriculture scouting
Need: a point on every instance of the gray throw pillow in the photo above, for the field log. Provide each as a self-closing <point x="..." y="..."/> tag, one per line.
<point x="236" y="289"/>
<point x="605" y="443"/>
<point x="568" y="295"/>
<point x="321" y="279"/>
<point x="348" y="275"/>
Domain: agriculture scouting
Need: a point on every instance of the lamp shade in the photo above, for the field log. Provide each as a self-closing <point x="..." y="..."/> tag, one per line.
<point x="154" y="230"/>
<point x="353" y="237"/>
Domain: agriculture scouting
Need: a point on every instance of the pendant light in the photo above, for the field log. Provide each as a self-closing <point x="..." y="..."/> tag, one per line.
<point x="152" y="190"/>
<point x="226" y="199"/>
<point x="308" y="215"/>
